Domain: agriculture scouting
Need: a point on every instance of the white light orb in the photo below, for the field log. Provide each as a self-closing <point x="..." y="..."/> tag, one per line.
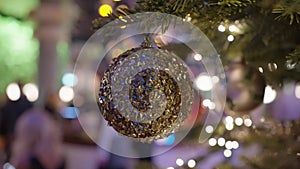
<point x="66" y="94"/>
<point x="270" y="95"/>
<point x="198" y="57"/>
<point x="204" y="82"/>
<point x="31" y="91"/>
<point x="179" y="162"/>
<point x="221" y="28"/>
<point x="212" y="142"/>
<point x="221" y="141"/>
<point x="227" y="153"/>
<point x="248" y="122"/>
<point x="238" y="121"/>
<point x="13" y="92"/>
<point x="230" y="38"/>
<point x="209" y="129"/>
<point x="191" y="163"/>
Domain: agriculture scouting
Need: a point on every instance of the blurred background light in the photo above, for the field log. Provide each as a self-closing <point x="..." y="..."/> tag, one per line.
<point x="30" y="90"/>
<point x="13" y="92"/>
<point x="70" y="112"/>
<point x="105" y="10"/>
<point x="270" y="95"/>
<point x="69" y="79"/>
<point x="204" y="83"/>
<point x="66" y="93"/>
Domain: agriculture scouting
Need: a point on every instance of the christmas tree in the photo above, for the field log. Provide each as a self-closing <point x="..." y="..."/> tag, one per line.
<point x="260" y="39"/>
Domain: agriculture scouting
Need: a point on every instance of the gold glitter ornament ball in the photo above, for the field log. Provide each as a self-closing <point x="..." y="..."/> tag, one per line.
<point x="146" y="93"/>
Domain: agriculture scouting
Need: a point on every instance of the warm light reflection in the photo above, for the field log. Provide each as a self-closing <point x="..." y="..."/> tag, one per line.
<point x="13" y="92"/>
<point x="233" y="28"/>
<point x="104" y="10"/>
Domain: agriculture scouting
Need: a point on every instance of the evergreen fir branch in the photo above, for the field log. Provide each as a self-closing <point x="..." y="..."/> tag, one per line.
<point x="289" y="10"/>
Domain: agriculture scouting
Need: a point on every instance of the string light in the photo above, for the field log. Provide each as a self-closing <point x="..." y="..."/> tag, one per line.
<point x="228" y="119"/>
<point x="233" y="28"/>
<point x="269" y="95"/>
<point x="221" y="141"/>
<point x="235" y="145"/>
<point x="230" y="38"/>
<point x="179" y="162"/>
<point x="221" y="28"/>
<point x="229" y="126"/>
<point x="248" y="122"/>
<point x="261" y="70"/>
<point x="191" y="163"/>
<point x="229" y="145"/>
<point x="227" y="153"/>
<point x="238" y="121"/>
<point x="212" y="142"/>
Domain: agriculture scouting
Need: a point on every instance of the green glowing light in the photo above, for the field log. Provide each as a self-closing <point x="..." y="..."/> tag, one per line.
<point x="19" y="52"/>
<point x="17" y="8"/>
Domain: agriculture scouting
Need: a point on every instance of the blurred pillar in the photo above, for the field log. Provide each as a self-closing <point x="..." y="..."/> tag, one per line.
<point x="54" y="23"/>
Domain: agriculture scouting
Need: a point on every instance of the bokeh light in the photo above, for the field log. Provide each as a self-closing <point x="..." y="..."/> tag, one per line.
<point x="227" y="153"/>
<point x="69" y="79"/>
<point x="270" y="95"/>
<point x="31" y="91"/>
<point x="221" y="28"/>
<point x="204" y="83"/>
<point x="13" y="92"/>
<point x="191" y="163"/>
<point x="104" y="10"/>
<point x="66" y="93"/>
<point x="179" y="162"/>
<point x="212" y="142"/>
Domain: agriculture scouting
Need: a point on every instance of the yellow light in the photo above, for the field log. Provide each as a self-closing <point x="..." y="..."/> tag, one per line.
<point x="104" y="10"/>
<point x="123" y="27"/>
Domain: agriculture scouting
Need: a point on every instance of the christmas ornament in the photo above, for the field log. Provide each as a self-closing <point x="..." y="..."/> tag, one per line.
<point x="245" y="88"/>
<point x="146" y="93"/>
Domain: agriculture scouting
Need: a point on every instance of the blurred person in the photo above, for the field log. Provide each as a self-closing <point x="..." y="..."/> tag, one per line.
<point x="9" y="113"/>
<point x="37" y="143"/>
